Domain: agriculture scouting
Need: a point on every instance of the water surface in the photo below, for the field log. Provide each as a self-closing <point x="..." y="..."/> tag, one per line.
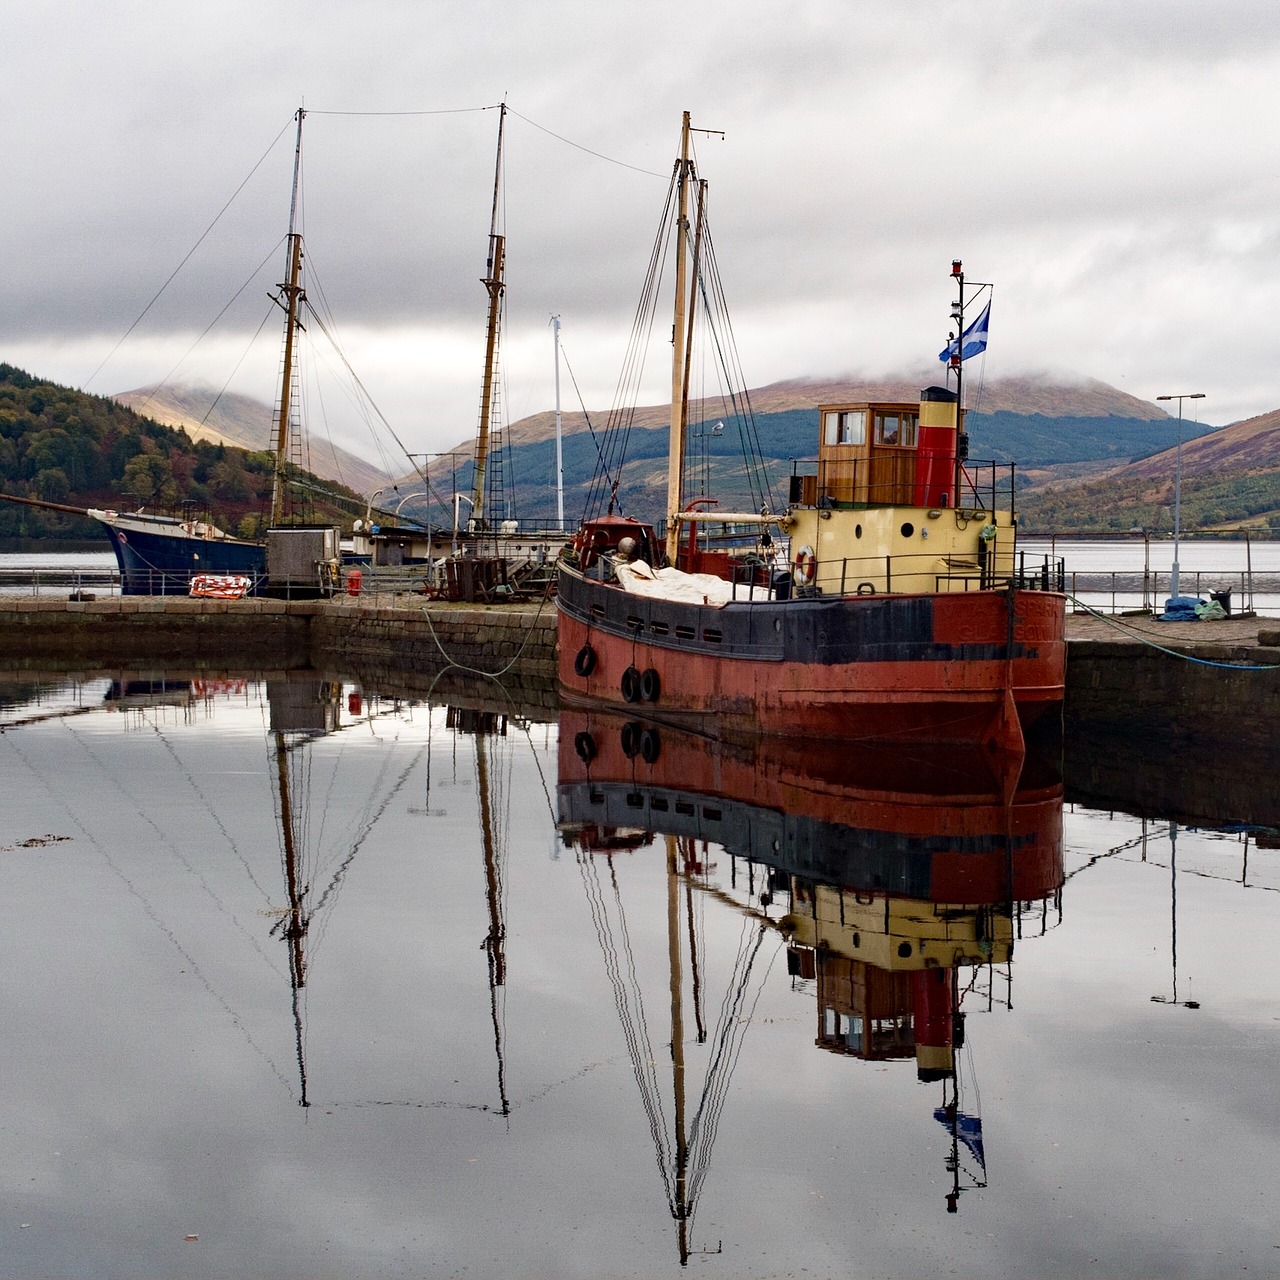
<point x="300" y="980"/>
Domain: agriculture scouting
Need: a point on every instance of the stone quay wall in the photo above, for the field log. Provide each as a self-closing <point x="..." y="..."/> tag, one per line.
<point x="1213" y="684"/>
<point x="404" y="647"/>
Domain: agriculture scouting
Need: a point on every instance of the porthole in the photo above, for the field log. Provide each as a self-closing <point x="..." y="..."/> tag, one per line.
<point x="907" y="529"/>
<point x="857" y="531"/>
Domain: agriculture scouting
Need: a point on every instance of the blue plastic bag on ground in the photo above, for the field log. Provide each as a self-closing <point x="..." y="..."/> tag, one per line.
<point x="1180" y="609"/>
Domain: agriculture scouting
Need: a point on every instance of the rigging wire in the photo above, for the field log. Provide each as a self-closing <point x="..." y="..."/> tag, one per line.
<point x="356" y="395"/>
<point x="213" y="814"/>
<point x="622" y="414"/>
<point x="58" y="797"/>
<point x="730" y="1037"/>
<point x="204" y="333"/>
<point x="630" y="1006"/>
<point x="203" y="235"/>
<point x="622" y="164"/>
<point x="442" y="111"/>
<point x="595" y="440"/>
<point x="165" y="839"/>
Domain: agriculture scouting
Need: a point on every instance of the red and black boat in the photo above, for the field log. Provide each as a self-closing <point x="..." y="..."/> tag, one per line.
<point x="901" y="609"/>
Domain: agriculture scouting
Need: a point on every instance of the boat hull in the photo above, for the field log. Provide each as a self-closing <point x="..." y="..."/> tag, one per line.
<point x="161" y="560"/>
<point x="932" y="824"/>
<point x="975" y="667"/>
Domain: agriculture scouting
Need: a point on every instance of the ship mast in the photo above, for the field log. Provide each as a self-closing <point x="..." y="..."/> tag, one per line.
<point x="679" y="342"/>
<point x="555" y="326"/>
<point x="495" y="285"/>
<point x="291" y="294"/>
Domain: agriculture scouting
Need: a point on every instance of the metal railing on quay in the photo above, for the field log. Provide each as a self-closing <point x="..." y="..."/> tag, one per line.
<point x="59" y="582"/>
<point x="1145" y="590"/>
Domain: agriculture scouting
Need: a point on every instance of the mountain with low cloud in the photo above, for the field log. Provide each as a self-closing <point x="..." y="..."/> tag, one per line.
<point x="246" y="423"/>
<point x="1025" y="397"/>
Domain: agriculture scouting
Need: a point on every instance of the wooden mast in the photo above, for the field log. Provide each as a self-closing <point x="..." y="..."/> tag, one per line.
<point x="495" y="285"/>
<point x="675" y="447"/>
<point x="292" y="293"/>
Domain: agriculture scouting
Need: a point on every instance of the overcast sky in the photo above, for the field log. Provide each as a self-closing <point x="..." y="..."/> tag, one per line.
<point x="1109" y="166"/>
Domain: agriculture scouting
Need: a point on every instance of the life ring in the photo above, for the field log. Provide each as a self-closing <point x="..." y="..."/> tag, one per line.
<point x="630" y="685"/>
<point x="803" y="567"/>
<point x="584" y="663"/>
<point x="585" y="745"/>
<point x="650" y="685"/>
<point x="650" y="745"/>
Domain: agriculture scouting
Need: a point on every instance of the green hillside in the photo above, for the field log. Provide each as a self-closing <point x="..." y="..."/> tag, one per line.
<point x="1118" y="504"/>
<point x="61" y="445"/>
<point x="1033" y="441"/>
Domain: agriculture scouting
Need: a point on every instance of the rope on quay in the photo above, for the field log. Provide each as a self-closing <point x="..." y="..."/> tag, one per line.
<point x="475" y="671"/>
<point x="1173" y="653"/>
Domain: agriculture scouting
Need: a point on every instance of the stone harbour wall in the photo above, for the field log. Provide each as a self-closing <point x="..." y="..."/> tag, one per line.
<point x="404" y="647"/>
<point x="1214" y="694"/>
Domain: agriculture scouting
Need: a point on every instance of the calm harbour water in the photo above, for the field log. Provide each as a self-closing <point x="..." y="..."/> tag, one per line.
<point x="454" y="941"/>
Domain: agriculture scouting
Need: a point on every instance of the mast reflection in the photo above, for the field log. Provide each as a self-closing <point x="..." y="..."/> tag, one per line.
<point x="299" y="712"/>
<point x="898" y="883"/>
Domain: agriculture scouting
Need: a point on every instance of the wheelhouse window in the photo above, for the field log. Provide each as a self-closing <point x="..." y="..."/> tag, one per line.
<point x="846" y="426"/>
<point x="896" y="428"/>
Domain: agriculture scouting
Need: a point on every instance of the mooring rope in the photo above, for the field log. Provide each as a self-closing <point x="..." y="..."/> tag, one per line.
<point x="476" y="671"/>
<point x="1173" y="653"/>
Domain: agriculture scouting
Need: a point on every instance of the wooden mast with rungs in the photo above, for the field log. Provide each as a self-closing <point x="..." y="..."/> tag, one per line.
<point x="675" y="447"/>
<point x="291" y="294"/>
<point x="494" y="283"/>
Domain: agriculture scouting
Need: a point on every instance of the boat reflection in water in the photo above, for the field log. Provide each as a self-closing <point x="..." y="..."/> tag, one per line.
<point x="301" y="712"/>
<point x="898" y="883"/>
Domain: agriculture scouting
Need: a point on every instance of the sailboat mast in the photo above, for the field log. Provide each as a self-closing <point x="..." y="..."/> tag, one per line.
<point x="555" y="326"/>
<point x="675" y="447"/>
<point x="495" y="285"/>
<point x="292" y="291"/>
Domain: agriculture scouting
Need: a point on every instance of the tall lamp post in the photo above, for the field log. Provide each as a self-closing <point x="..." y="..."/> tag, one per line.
<point x="1177" y="486"/>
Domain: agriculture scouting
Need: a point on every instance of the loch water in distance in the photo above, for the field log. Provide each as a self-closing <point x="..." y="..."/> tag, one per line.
<point x="307" y="979"/>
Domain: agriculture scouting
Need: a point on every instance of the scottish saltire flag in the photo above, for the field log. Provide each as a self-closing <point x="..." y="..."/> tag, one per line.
<point x="972" y="341"/>
<point x="967" y="1128"/>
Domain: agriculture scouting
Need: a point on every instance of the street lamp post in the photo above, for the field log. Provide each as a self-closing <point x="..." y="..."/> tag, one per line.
<point x="1177" y="486"/>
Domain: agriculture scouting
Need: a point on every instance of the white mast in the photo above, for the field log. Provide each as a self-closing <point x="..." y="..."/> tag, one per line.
<point x="555" y="329"/>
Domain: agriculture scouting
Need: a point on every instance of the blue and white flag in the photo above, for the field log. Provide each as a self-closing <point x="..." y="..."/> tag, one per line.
<point x="972" y="341"/>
